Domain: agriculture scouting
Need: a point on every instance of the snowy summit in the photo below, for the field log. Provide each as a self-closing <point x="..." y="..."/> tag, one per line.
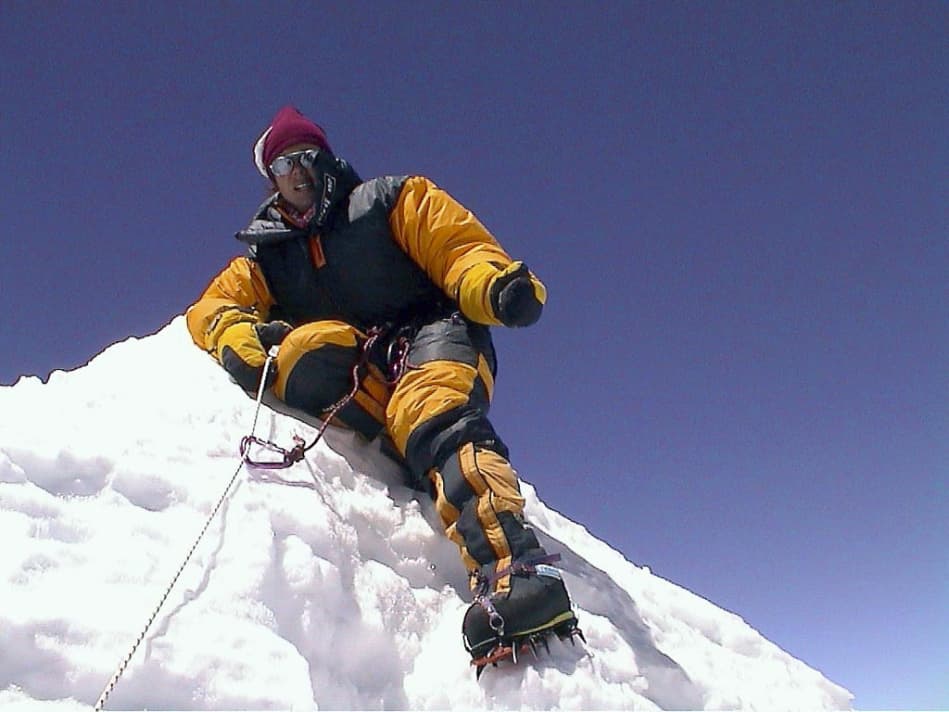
<point x="324" y="586"/>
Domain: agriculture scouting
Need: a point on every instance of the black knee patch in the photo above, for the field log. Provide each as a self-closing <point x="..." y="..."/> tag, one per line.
<point x="452" y="339"/>
<point x="434" y="441"/>
<point x="320" y="379"/>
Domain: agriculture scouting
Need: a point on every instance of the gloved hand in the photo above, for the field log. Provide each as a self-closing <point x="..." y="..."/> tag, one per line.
<point x="243" y="348"/>
<point x="517" y="296"/>
<point x="272" y="333"/>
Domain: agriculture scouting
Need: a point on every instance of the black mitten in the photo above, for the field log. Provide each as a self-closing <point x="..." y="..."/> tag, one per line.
<point x="517" y="297"/>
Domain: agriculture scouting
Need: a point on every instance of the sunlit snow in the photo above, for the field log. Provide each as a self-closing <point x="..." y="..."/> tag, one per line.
<point x="328" y="585"/>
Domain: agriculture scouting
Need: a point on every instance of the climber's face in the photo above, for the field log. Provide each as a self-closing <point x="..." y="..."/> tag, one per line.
<point x="296" y="186"/>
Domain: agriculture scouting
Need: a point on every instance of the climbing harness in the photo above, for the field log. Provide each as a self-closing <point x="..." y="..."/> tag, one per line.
<point x="397" y="353"/>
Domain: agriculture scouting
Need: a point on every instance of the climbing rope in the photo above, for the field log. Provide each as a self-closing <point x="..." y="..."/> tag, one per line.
<point x="151" y="619"/>
<point x="100" y="704"/>
<point x="396" y="357"/>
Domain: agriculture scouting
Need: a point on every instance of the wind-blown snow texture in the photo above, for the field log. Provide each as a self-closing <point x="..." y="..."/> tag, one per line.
<point x="327" y="585"/>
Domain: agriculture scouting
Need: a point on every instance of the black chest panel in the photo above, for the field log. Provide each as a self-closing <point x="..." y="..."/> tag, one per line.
<point x="367" y="280"/>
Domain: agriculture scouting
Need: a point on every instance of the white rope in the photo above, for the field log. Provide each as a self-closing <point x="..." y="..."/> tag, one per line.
<point x="128" y="658"/>
<point x="100" y="704"/>
<point x="271" y="355"/>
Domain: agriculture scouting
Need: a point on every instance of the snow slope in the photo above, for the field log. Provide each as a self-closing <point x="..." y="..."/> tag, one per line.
<point x="327" y="585"/>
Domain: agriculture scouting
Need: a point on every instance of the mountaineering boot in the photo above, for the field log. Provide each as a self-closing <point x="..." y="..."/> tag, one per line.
<point x="533" y="605"/>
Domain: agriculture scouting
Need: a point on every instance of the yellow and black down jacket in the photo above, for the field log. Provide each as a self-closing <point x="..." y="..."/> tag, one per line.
<point x="397" y="248"/>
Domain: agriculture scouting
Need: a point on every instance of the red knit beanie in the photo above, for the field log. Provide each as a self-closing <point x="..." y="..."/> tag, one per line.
<point x="288" y="127"/>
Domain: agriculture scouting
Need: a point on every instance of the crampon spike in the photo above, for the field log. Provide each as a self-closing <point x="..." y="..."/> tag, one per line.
<point x="533" y="646"/>
<point x="512" y="649"/>
<point x="570" y="630"/>
<point x="502" y="651"/>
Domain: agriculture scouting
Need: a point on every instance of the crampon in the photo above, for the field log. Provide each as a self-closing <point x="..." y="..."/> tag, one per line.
<point x="514" y="647"/>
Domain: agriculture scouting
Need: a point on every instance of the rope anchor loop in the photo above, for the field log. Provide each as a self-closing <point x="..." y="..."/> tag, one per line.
<point x="288" y="456"/>
<point x="396" y="356"/>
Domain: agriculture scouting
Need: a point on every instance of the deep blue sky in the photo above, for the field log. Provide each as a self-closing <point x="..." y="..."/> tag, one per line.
<point x="739" y="210"/>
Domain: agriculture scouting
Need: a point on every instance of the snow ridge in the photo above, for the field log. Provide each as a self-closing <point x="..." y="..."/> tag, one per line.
<point x="327" y="585"/>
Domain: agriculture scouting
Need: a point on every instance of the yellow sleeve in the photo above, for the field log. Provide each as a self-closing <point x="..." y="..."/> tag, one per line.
<point x="447" y="241"/>
<point x="237" y="295"/>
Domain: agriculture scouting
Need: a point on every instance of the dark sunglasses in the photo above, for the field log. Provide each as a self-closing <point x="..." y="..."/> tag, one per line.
<point x="283" y="165"/>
